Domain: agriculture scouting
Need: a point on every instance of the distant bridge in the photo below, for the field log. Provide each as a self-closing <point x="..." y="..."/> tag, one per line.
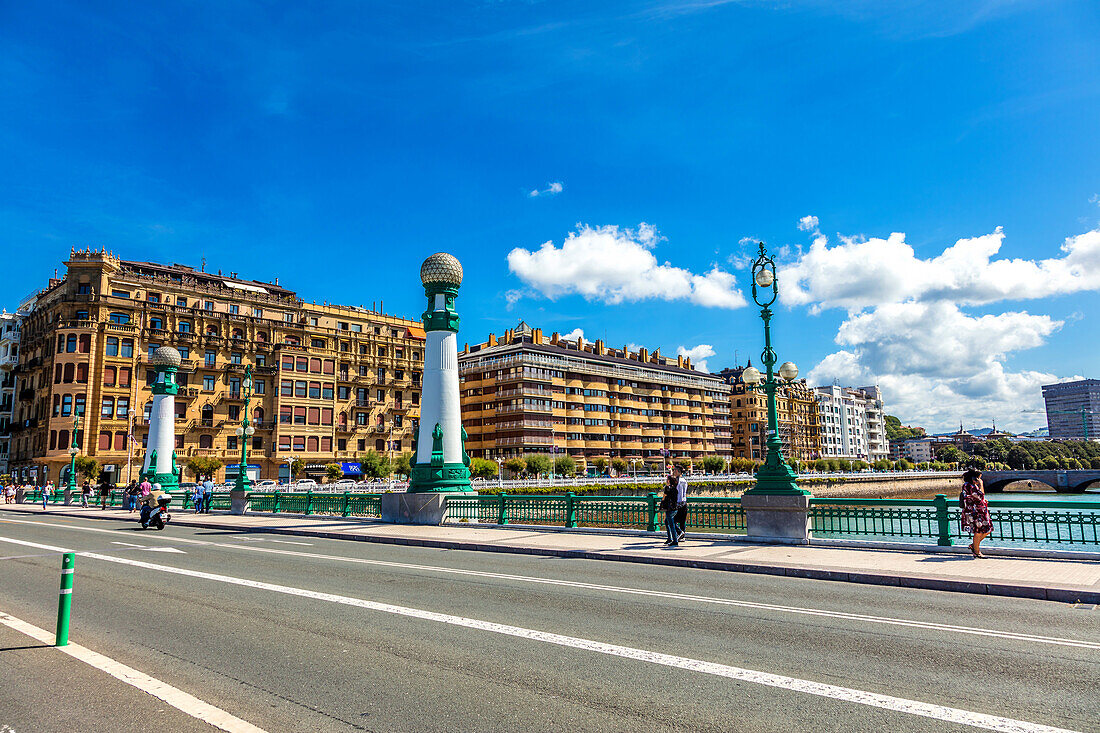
<point x="1064" y="482"/>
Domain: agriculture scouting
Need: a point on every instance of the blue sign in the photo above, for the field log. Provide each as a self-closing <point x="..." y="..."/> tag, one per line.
<point x="352" y="469"/>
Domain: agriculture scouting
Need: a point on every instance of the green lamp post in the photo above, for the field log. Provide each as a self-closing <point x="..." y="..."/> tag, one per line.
<point x="775" y="476"/>
<point x="70" y="484"/>
<point x="244" y="432"/>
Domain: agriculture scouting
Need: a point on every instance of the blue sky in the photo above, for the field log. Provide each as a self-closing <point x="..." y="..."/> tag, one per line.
<point x="336" y="145"/>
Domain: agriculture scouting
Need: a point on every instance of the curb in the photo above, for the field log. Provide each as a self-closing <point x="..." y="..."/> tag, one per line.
<point x="1057" y="594"/>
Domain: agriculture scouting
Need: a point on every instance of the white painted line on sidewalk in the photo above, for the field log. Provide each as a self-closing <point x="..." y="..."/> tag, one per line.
<point x="863" y="618"/>
<point x="843" y="694"/>
<point x="175" y="697"/>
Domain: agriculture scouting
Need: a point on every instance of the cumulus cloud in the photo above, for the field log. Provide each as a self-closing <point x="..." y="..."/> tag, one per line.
<point x="615" y="265"/>
<point x="698" y="355"/>
<point x="573" y="335"/>
<point x="807" y="224"/>
<point x="552" y="189"/>
<point x="906" y="329"/>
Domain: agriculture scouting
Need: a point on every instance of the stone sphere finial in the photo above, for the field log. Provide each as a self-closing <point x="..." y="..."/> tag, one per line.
<point x="165" y="356"/>
<point x="441" y="268"/>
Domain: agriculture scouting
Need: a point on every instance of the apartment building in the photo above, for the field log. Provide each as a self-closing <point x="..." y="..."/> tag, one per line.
<point x="853" y="423"/>
<point x="526" y="393"/>
<point x="330" y="382"/>
<point x="796" y="412"/>
<point x="10" y="325"/>
<point x="1073" y="409"/>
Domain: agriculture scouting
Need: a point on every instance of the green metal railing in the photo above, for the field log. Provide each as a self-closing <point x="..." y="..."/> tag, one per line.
<point x="346" y="504"/>
<point x="569" y="510"/>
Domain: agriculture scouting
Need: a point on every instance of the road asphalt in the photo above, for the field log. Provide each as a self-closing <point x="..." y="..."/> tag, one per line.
<point x="314" y="634"/>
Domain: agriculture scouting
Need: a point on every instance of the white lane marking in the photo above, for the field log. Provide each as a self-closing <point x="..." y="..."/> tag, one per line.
<point x="927" y="625"/>
<point x="128" y="544"/>
<point x="289" y="542"/>
<point x="844" y="694"/>
<point x="175" y="697"/>
<point x="172" y="550"/>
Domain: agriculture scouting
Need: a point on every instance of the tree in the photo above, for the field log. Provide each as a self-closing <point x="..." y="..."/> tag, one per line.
<point x="566" y="466"/>
<point x="5" y="479"/>
<point x="515" y="466"/>
<point x="896" y="431"/>
<point x="375" y="465"/>
<point x="201" y="466"/>
<point x="482" y="468"/>
<point x="619" y="465"/>
<point x="403" y="465"/>
<point x="87" y="467"/>
<point x="538" y="464"/>
<point x="333" y="471"/>
<point x="600" y="463"/>
<point x="950" y="454"/>
<point x="296" y="466"/>
<point x="684" y="464"/>
<point x="713" y="464"/>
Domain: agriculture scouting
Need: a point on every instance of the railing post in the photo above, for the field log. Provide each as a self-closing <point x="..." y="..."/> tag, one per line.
<point x="186" y="500"/>
<point x="502" y="518"/>
<point x="309" y="501"/>
<point x="942" y="520"/>
<point x="275" y="504"/>
<point x="570" y="509"/>
<point x="651" y="506"/>
<point x="347" y="498"/>
<point x="65" y="599"/>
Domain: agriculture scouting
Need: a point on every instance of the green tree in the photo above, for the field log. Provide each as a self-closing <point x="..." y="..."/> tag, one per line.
<point x="566" y="466"/>
<point x="619" y="465"/>
<point x="5" y="479"/>
<point x="1050" y="463"/>
<point x="333" y="472"/>
<point x="483" y="469"/>
<point x="684" y="464"/>
<point x="296" y="466"/>
<point x="538" y="464"/>
<point x="713" y="464"/>
<point x="375" y="465"/>
<point x="201" y="466"/>
<point x="950" y="454"/>
<point x="600" y="463"/>
<point x="403" y="465"/>
<point x="896" y="431"/>
<point x="515" y="466"/>
<point x="87" y="467"/>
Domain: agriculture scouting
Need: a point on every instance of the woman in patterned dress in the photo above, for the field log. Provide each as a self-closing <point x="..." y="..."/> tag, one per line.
<point x="975" y="510"/>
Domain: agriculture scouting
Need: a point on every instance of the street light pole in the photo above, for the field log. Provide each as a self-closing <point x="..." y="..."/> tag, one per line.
<point x="70" y="484"/>
<point x="775" y="476"/>
<point x="239" y="495"/>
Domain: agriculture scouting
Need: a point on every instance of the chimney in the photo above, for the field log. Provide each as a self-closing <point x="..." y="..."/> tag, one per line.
<point x="492" y="339"/>
<point x="679" y="360"/>
<point x="536" y="336"/>
<point x="643" y="354"/>
<point x="555" y="337"/>
<point x="656" y="358"/>
<point x="599" y="348"/>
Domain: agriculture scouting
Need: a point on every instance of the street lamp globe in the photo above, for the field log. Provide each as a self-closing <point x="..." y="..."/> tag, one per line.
<point x="73" y="451"/>
<point x="751" y="376"/>
<point x="249" y="431"/>
<point x="239" y="432"/>
<point x="765" y="277"/>
<point x="246" y="384"/>
<point x="788" y="371"/>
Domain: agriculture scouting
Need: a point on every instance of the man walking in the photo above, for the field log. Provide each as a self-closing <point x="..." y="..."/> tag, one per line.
<point x="46" y="491"/>
<point x="681" y="502"/>
<point x="207" y="495"/>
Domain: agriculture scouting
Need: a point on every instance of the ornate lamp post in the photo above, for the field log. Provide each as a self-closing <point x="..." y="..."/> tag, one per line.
<point x="70" y="484"/>
<point x="240" y="489"/>
<point x="775" y="476"/>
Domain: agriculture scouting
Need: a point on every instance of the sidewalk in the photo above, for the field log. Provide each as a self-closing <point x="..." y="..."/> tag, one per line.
<point x="1064" y="580"/>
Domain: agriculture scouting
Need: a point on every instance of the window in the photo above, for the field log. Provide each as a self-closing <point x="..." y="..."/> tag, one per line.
<point x="120" y="319"/>
<point x="312" y="321"/>
<point x="185" y="351"/>
<point x="341" y="444"/>
<point x="399" y="353"/>
<point x="112" y="346"/>
<point x="326" y="391"/>
<point x="257" y="443"/>
<point x="206" y="441"/>
<point x="121" y="293"/>
<point x="85" y="343"/>
<point x="153" y="297"/>
<point x="234" y="309"/>
<point x="288" y="317"/>
<point x="156" y="323"/>
<point x="356" y="328"/>
<point x="362" y="444"/>
<point x="57" y="374"/>
<point x="208" y="305"/>
<point x="299" y="389"/>
<point x="360" y="419"/>
<point x="345" y="346"/>
<point x="120" y="440"/>
<point x="301" y="364"/>
<point x="124" y="376"/>
<point x="81" y="373"/>
<point x="286" y="388"/>
<point x="234" y="412"/>
<point x="78" y="407"/>
<point x="299" y="442"/>
<point x="313" y="416"/>
<point x="381" y="395"/>
<point x="315" y="366"/>
<point x="285" y="414"/>
<point x="231" y="442"/>
<point x="381" y="350"/>
<point x="311" y="444"/>
<point x="185" y="326"/>
<point x="299" y="416"/>
<point x="326" y="416"/>
<point x="147" y="413"/>
<point x="235" y="386"/>
<point x="237" y="335"/>
<point x="181" y="302"/>
<point x="315" y="390"/>
<point x="107" y="409"/>
<point x="258" y="387"/>
<point x="257" y="312"/>
<point x="288" y="363"/>
<point x="343" y="392"/>
<point x="261" y="360"/>
<point x="328" y="367"/>
<point x="127" y="348"/>
<point x="70" y="343"/>
<point x="110" y="376"/>
<point x="284" y="442"/>
<point x="69" y="368"/>
<point x="235" y="357"/>
<point x="210" y="359"/>
<point x="105" y="440"/>
<point x="122" y="409"/>
<point x="208" y="383"/>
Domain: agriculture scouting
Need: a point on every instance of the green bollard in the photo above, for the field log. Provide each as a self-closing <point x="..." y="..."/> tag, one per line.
<point x="943" y="522"/>
<point x="65" y="599"/>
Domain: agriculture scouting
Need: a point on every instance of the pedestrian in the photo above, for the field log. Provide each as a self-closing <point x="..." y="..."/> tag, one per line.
<point x="196" y="498"/>
<point x="681" y="502"/>
<point x="207" y="495"/>
<point x="974" y="510"/>
<point x="105" y="488"/>
<point x="85" y="492"/>
<point x="144" y="489"/>
<point x="46" y="491"/>
<point x="668" y="506"/>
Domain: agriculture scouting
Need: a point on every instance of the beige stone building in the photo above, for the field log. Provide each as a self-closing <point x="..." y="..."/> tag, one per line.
<point x="330" y="382"/>
<point x="528" y="393"/>
<point x="799" y="423"/>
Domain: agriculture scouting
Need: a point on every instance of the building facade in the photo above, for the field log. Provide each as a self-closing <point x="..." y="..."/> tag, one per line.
<point x="796" y="408"/>
<point x="525" y="393"/>
<point x="10" y="328"/>
<point x="853" y="423"/>
<point x="1073" y="409"/>
<point x="330" y="382"/>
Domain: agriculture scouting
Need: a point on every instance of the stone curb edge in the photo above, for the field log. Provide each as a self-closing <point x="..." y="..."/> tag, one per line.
<point x="1060" y="595"/>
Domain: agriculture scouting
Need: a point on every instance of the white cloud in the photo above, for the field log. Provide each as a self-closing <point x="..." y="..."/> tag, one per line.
<point x="807" y="224"/>
<point x="1095" y="199"/>
<point x="573" y="335"/>
<point x="552" y="189"/>
<point x="858" y="274"/>
<point x="698" y="355"/>
<point x="906" y="330"/>
<point x="615" y="265"/>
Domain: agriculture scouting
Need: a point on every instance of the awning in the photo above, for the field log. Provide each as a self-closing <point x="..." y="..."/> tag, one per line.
<point x="416" y="333"/>
<point x="242" y="286"/>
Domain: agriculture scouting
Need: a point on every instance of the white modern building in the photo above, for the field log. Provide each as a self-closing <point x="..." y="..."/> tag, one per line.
<point x="9" y="358"/>
<point x="918" y="450"/>
<point x="853" y="423"/>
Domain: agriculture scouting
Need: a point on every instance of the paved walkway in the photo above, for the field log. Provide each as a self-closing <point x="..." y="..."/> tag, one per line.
<point x="1065" y="580"/>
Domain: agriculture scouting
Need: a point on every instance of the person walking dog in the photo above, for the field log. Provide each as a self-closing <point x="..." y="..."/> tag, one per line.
<point x="975" y="510"/>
